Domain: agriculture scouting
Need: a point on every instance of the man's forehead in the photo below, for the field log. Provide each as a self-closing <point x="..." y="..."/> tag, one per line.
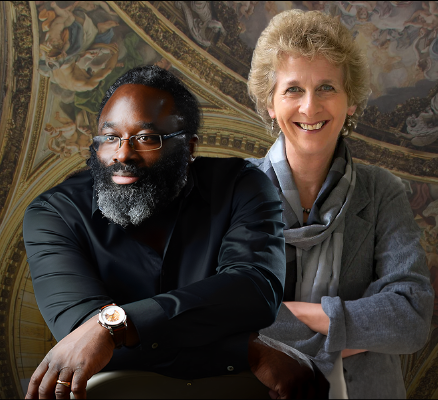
<point x="169" y="122"/>
<point x="137" y="89"/>
<point x="140" y="124"/>
<point x="140" y="98"/>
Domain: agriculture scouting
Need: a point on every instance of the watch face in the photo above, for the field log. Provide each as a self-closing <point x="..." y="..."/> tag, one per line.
<point x="113" y="315"/>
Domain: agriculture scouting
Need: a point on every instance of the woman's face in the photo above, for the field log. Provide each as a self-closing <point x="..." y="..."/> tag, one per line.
<point x="310" y="104"/>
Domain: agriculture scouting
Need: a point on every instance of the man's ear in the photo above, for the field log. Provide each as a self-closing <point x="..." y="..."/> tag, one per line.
<point x="192" y="146"/>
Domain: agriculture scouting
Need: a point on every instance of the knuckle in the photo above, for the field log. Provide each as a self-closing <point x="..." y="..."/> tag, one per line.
<point x="42" y="391"/>
<point x="34" y="381"/>
<point x="59" y="391"/>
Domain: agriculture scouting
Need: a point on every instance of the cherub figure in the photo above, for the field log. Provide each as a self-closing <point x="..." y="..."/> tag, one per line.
<point x="54" y="22"/>
<point x="424" y="18"/>
<point x="358" y="9"/>
<point x="82" y="73"/>
<point x="244" y="8"/>
<point x="422" y="130"/>
<point x="70" y="138"/>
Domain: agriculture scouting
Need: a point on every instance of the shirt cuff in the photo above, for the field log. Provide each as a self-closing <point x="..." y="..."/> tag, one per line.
<point x="337" y="336"/>
<point x="148" y="317"/>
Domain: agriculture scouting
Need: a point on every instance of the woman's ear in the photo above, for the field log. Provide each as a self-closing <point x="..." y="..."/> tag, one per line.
<point x="271" y="113"/>
<point x="351" y="110"/>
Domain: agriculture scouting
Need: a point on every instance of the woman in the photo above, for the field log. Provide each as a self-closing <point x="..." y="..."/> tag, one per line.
<point x="357" y="289"/>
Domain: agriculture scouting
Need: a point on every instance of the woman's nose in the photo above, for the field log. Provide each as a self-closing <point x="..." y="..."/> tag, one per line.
<point x="310" y="105"/>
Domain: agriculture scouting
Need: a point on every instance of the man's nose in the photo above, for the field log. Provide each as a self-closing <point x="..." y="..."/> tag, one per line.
<point x="310" y="105"/>
<point x="125" y="152"/>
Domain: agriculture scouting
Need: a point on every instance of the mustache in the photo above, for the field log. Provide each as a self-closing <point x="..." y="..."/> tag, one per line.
<point x="131" y="168"/>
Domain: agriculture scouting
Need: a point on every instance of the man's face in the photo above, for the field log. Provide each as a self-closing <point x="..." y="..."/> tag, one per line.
<point x="131" y="185"/>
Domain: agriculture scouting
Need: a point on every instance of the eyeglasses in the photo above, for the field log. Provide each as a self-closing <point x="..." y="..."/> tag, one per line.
<point x="142" y="142"/>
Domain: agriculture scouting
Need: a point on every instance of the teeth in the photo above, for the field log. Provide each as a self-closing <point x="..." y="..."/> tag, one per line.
<point x="312" y="127"/>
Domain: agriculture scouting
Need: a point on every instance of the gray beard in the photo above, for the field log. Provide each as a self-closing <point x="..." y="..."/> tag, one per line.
<point x="132" y="204"/>
<point x="127" y="205"/>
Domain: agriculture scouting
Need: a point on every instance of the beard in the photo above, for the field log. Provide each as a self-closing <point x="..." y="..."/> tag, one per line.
<point x="133" y="203"/>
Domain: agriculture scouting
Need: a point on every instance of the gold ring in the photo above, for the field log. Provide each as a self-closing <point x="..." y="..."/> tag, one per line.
<point x="66" y="384"/>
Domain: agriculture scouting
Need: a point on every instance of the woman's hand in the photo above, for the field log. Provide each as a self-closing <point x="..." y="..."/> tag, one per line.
<point x="316" y="319"/>
<point x="310" y="314"/>
<point x="351" y="352"/>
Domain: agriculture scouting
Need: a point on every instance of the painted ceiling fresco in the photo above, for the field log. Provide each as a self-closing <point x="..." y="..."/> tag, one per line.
<point x="57" y="59"/>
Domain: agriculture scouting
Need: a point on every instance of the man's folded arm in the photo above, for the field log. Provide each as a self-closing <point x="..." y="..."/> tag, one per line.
<point x="244" y="296"/>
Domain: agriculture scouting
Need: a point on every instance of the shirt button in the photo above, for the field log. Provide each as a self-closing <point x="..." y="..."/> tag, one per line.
<point x="230" y="368"/>
<point x="155" y="345"/>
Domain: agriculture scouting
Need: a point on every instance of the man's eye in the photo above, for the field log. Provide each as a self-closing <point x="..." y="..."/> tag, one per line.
<point x="148" y="139"/>
<point x="110" y="138"/>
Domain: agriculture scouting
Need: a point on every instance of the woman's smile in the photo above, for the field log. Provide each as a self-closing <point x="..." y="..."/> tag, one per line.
<point x="310" y="104"/>
<point x="311" y="126"/>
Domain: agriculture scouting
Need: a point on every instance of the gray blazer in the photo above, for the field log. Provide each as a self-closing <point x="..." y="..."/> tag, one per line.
<point x="385" y="300"/>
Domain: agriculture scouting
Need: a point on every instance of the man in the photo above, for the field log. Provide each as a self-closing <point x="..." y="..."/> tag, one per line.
<point x="191" y="251"/>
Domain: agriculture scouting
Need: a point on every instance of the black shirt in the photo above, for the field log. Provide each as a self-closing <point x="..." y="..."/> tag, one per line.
<point x="221" y="275"/>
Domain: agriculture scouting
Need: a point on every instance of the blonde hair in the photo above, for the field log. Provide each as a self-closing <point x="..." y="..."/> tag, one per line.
<point x="307" y="34"/>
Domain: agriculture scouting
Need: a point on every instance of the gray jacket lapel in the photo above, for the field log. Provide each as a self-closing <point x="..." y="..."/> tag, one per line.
<point x="357" y="224"/>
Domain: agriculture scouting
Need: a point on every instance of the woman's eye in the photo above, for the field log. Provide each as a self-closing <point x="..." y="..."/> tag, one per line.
<point x="293" y="89"/>
<point x="327" y="88"/>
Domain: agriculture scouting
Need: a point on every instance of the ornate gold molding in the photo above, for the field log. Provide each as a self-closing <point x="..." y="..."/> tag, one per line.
<point x="21" y="87"/>
<point x="410" y="164"/>
<point x="37" y="124"/>
<point x="11" y="262"/>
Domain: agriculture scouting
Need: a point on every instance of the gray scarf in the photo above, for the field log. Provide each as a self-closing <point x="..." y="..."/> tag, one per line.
<point x="318" y="244"/>
<point x="314" y="250"/>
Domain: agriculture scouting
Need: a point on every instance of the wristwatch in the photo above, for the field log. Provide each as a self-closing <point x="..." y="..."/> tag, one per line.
<point x="113" y="318"/>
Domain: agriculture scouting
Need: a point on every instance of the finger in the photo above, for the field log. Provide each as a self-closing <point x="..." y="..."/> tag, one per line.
<point x="79" y="384"/>
<point x="48" y="383"/>
<point x="273" y="394"/>
<point x="62" y="390"/>
<point x="35" y="380"/>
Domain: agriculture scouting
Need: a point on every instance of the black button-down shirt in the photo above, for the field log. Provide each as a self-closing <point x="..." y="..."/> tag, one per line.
<point x="221" y="275"/>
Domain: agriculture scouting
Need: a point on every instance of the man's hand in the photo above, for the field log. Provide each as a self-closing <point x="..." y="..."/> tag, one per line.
<point x="286" y="377"/>
<point x="75" y="359"/>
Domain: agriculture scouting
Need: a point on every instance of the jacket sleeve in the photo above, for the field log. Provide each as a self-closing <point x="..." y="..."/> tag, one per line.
<point x="243" y="296"/>
<point x="393" y="316"/>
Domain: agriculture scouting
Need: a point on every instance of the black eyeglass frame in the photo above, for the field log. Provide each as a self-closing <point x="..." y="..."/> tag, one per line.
<point x="131" y="143"/>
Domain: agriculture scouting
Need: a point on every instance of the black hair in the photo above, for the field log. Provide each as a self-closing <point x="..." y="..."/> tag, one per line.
<point x="153" y="76"/>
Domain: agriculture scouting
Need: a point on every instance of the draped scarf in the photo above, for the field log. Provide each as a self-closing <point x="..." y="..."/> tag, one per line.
<point x="314" y="249"/>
